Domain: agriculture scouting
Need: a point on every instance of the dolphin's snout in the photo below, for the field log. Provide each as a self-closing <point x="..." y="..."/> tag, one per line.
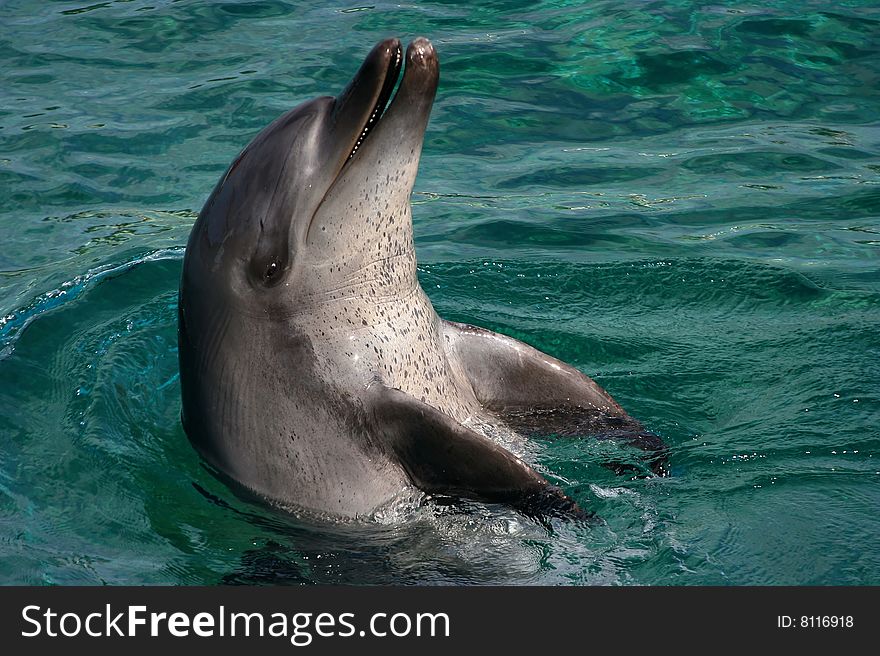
<point x="421" y="74"/>
<point x="389" y="47"/>
<point x="421" y="54"/>
<point x="421" y="51"/>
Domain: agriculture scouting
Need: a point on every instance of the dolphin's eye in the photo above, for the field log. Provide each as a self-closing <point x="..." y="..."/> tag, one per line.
<point x="272" y="274"/>
<point x="267" y="271"/>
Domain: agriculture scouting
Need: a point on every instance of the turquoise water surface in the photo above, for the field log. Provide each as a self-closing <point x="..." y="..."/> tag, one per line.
<point x="679" y="198"/>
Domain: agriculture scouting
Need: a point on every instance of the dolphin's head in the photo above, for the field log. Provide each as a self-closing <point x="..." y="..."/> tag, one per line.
<point x="315" y="210"/>
<point x="308" y="200"/>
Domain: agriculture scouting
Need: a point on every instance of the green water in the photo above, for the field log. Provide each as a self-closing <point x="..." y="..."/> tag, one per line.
<point x="679" y="198"/>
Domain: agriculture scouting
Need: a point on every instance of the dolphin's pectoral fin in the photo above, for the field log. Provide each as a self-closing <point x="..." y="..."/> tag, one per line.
<point x="442" y="456"/>
<point x="509" y="375"/>
<point x="535" y="393"/>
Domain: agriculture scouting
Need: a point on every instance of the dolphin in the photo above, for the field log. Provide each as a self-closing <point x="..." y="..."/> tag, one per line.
<point x="314" y="371"/>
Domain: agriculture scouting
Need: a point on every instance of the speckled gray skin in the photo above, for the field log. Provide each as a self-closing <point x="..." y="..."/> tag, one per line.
<point x="314" y="369"/>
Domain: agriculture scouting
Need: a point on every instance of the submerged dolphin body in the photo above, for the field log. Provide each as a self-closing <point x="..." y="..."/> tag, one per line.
<point x="314" y="370"/>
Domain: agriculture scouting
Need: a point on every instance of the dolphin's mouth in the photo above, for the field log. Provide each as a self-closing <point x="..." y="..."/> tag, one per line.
<point x="366" y="102"/>
<point x="395" y="63"/>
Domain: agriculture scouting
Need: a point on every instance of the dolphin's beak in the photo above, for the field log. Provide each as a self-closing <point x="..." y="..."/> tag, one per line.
<point x="359" y="106"/>
<point x="365" y="126"/>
